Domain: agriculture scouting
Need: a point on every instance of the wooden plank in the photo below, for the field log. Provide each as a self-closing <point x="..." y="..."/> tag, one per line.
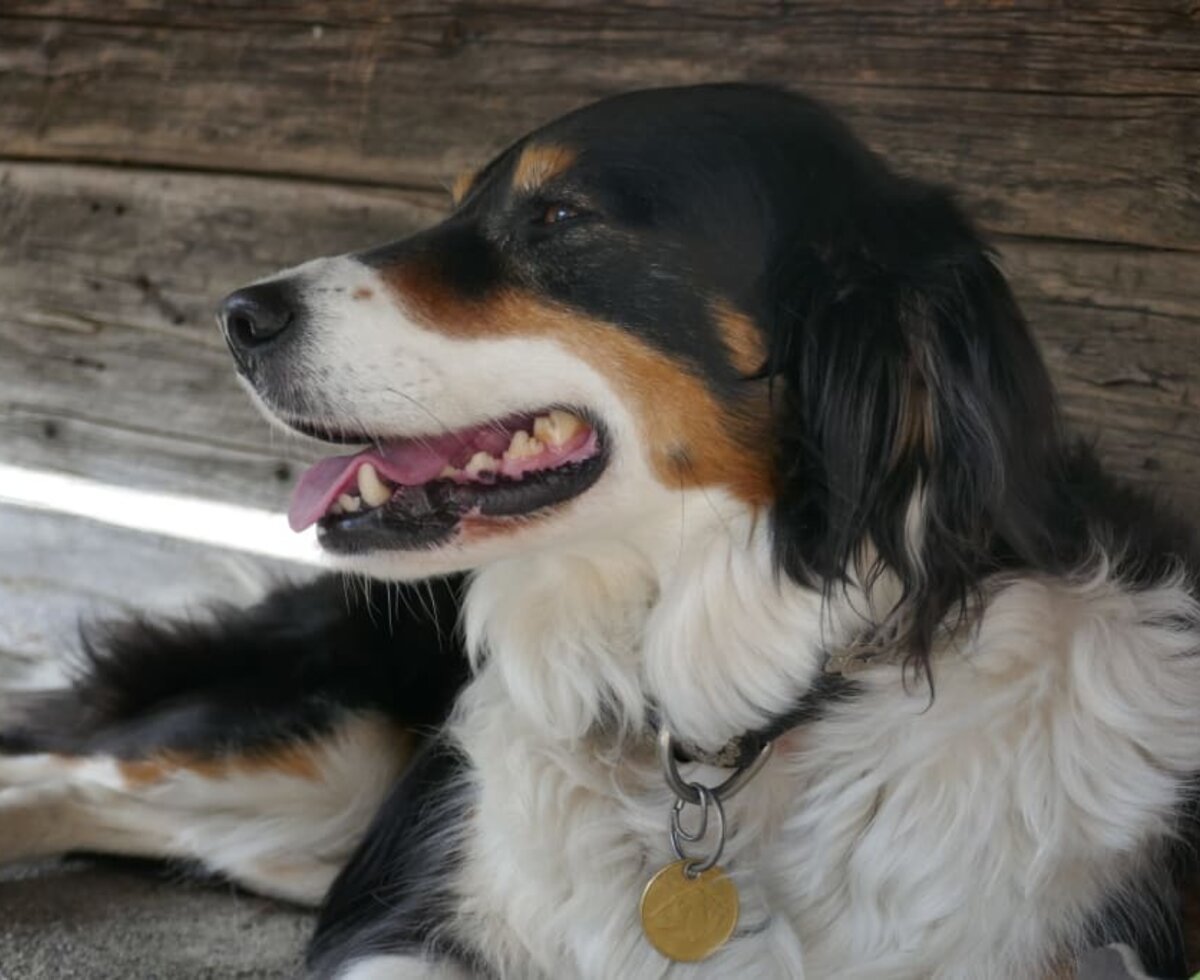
<point x="110" y="365"/>
<point x="1136" y="46"/>
<point x="103" y="382"/>
<point x="1078" y="121"/>
<point x="1120" y="329"/>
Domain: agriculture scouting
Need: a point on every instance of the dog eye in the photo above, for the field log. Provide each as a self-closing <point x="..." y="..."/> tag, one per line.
<point x="556" y="214"/>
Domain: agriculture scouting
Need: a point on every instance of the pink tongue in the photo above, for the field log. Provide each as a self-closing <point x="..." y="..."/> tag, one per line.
<point x="412" y="462"/>
<point x="409" y="463"/>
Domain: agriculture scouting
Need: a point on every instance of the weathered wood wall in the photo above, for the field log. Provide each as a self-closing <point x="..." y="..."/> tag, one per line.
<point x="154" y="153"/>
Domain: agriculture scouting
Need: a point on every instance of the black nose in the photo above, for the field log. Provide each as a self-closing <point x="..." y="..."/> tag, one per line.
<point x="256" y="315"/>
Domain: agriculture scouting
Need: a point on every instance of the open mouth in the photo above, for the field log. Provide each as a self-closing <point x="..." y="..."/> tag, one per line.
<point x="413" y="493"/>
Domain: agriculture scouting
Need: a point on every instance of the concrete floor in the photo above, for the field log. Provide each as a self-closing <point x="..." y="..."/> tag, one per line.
<point x="108" y="920"/>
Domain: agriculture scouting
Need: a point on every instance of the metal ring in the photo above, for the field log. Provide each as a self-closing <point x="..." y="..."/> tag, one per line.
<point x="695" y="866"/>
<point x="689" y="791"/>
<point x="677" y="824"/>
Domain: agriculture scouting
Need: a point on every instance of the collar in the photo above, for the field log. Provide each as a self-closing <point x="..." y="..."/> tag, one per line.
<point x="830" y="687"/>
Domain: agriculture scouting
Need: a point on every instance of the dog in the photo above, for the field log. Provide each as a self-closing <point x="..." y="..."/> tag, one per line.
<point x="728" y="594"/>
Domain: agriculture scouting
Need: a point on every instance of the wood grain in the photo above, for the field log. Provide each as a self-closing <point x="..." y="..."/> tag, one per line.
<point x="1077" y="121"/>
<point x="110" y="367"/>
<point x="110" y="363"/>
<point x="1120" y="329"/>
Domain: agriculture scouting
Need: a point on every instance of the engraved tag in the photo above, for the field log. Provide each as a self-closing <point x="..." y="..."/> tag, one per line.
<point x="689" y="919"/>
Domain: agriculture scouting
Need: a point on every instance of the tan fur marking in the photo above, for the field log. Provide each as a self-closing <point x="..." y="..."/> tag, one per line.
<point x="915" y="433"/>
<point x="742" y="338"/>
<point x="475" y="529"/>
<point x="143" y="772"/>
<point x="362" y="293"/>
<point x="1064" y="970"/>
<point x="462" y="185"/>
<point x="694" y="440"/>
<point x="539" y="164"/>
<point x="299" y="761"/>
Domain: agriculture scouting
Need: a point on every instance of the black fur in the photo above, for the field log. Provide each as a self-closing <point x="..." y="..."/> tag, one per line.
<point x="902" y="366"/>
<point x="1147" y="917"/>
<point x="902" y="363"/>
<point x="283" y="670"/>
<point x="392" y="897"/>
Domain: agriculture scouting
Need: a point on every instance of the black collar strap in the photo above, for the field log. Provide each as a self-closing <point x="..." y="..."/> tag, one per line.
<point x="828" y="688"/>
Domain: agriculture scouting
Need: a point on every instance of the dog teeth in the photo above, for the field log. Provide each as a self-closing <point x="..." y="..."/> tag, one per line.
<point x="523" y="446"/>
<point x="481" y="462"/>
<point x="373" y="490"/>
<point x="552" y="430"/>
<point x="556" y="427"/>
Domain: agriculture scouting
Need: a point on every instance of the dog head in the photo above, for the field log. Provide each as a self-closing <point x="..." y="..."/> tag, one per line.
<point x="714" y="289"/>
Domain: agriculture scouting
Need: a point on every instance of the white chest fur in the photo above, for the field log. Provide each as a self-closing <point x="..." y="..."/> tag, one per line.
<point x="969" y="837"/>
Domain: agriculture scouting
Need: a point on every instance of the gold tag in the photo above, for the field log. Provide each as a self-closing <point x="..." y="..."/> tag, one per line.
<point x="689" y="919"/>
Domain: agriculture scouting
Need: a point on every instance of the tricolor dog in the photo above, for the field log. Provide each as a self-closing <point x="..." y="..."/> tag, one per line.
<point x="736" y="604"/>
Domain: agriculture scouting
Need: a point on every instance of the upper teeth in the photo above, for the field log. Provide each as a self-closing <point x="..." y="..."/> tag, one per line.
<point x="372" y="489"/>
<point x="523" y="446"/>
<point x="480" y="462"/>
<point x="556" y="428"/>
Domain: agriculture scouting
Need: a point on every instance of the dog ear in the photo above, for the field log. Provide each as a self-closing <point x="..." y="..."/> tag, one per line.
<point x="916" y="427"/>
